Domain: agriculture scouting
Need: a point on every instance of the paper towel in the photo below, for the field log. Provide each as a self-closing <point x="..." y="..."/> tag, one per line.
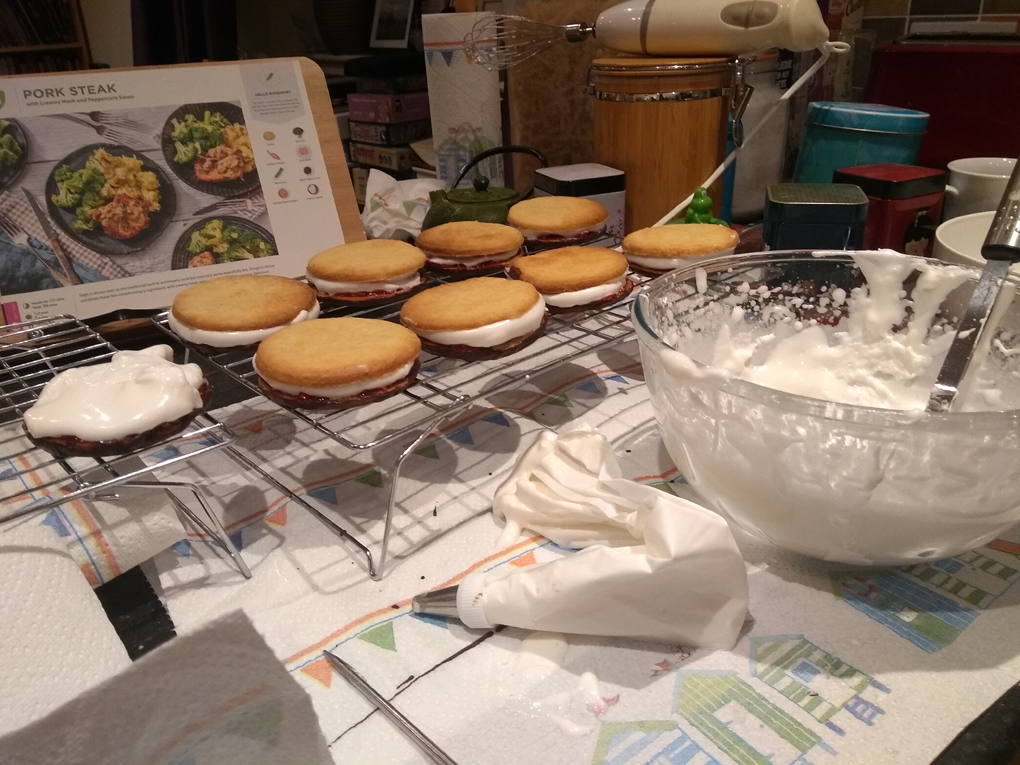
<point x="396" y="209"/>
<point x="463" y="98"/>
<point x="105" y="538"/>
<point x="55" y="639"/>
<point x="218" y="695"/>
<point x="108" y="538"/>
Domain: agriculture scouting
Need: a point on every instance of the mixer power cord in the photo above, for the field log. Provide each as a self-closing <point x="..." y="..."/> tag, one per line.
<point x="826" y="49"/>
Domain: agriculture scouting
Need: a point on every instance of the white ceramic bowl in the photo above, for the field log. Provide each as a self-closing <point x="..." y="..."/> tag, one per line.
<point x="959" y="240"/>
<point x="833" y="481"/>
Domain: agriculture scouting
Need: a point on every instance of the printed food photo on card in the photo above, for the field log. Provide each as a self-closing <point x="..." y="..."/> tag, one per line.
<point x="119" y="188"/>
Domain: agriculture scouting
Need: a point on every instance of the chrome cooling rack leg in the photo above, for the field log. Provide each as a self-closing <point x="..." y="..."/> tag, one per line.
<point x="432" y="426"/>
<point x="323" y="518"/>
<point x="213" y="529"/>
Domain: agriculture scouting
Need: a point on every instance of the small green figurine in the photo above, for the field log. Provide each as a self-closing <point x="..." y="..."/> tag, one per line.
<point x="700" y="209"/>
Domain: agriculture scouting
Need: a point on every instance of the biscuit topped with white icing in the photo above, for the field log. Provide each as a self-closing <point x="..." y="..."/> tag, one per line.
<point x="134" y="400"/>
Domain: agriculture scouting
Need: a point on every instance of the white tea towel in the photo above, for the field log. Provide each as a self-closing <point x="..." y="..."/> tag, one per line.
<point x="218" y="695"/>
<point x="655" y="566"/>
<point x="55" y="639"/>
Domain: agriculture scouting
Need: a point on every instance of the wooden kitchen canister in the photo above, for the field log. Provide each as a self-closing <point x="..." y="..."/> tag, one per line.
<point x="663" y="122"/>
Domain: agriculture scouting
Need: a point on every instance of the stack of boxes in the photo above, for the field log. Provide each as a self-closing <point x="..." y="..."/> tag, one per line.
<point x="386" y="116"/>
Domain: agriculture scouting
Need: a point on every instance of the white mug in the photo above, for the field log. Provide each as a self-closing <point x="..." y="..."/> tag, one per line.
<point x="976" y="184"/>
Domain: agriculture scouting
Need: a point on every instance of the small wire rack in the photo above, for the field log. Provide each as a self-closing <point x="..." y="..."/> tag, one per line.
<point x="445" y="388"/>
<point x="31" y="354"/>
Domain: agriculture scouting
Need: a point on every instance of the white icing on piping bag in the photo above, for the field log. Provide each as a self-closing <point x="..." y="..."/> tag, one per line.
<point x="655" y="567"/>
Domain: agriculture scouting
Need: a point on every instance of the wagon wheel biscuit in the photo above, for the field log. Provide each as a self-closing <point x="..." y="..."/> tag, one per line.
<point x="477" y="318"/>
<point x="337" y="363"/>
<point x="238" y="311"/>
<point x="558" y="221"/>
<point x="367" y="273"/>
<point x="663" y="248"/>
<point x="575" y="278"/>
<point x="469" y="245"/>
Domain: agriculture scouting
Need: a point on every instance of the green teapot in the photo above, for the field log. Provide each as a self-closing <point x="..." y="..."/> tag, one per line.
<point x="481" y="202"/>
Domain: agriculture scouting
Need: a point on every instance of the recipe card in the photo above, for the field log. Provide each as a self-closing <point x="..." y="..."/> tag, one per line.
<point x="120" y="188"/>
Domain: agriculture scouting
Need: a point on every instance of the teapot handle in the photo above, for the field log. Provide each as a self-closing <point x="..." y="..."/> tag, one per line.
<point x="512" y="148"/>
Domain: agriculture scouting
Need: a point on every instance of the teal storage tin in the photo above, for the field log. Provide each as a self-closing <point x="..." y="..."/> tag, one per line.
<point x="841" y="134"/>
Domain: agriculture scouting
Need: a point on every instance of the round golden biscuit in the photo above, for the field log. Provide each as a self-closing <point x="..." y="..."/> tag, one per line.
<point x="680" y="240"/>
<point x="374" y="260"/>
<point x="242" y="302"/>
<point x="569" y="268"/>
<point x="554" y="214"/>
<point x="325" y="353"/>
<point x="468" y="304"/>
<point x="469" y="239"/>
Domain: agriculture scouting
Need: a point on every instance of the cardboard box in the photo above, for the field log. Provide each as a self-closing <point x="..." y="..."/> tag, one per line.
<point x="388" y="108"/>
<point x="383" y="157"/>
<point x="390" y="135"/>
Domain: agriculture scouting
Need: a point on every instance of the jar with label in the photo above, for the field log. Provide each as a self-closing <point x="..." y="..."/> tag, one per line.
<point x="904" y="204"/>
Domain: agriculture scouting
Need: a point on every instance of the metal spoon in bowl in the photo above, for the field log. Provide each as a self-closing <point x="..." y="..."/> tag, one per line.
<point x="1001" y="250"/>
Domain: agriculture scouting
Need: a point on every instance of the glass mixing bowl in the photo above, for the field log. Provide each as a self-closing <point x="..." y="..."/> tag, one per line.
<point x="833" y="481"/>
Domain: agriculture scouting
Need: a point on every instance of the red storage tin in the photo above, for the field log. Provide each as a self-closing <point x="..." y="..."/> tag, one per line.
<point x="904" y="204"/>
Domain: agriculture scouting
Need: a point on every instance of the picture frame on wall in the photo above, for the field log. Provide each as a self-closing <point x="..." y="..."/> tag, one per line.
<point x="391" y="25"/>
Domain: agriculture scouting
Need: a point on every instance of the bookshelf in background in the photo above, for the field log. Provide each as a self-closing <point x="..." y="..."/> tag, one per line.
<point x="42" y="36"/>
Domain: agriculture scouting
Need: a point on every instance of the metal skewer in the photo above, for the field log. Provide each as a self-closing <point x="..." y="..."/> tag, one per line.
<point x="423" y="742"/>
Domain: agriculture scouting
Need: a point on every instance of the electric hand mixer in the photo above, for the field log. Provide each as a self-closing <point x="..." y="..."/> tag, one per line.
<point x="661" y="28"/>
<point x="670" y="28"/>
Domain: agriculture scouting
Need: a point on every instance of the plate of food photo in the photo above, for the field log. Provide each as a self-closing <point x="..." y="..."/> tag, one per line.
<point x="222" y="239"/>
<point x="207" y="146"/>
<point x="110" y="198"/>
<point x="13" y="152"/>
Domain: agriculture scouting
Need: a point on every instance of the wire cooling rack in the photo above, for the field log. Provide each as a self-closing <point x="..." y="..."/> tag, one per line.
<point x="33" y="481"/>
<point x="445" y="388"/>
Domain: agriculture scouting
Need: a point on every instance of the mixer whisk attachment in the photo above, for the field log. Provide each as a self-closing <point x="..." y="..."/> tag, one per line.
<point x="499" y="42"/>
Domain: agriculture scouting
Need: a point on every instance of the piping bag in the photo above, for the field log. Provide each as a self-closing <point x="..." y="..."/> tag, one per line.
<point x="653" y="566"/>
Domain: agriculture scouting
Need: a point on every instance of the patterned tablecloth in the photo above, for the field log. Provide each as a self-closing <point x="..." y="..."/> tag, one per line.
<point x="840" y="665"/>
